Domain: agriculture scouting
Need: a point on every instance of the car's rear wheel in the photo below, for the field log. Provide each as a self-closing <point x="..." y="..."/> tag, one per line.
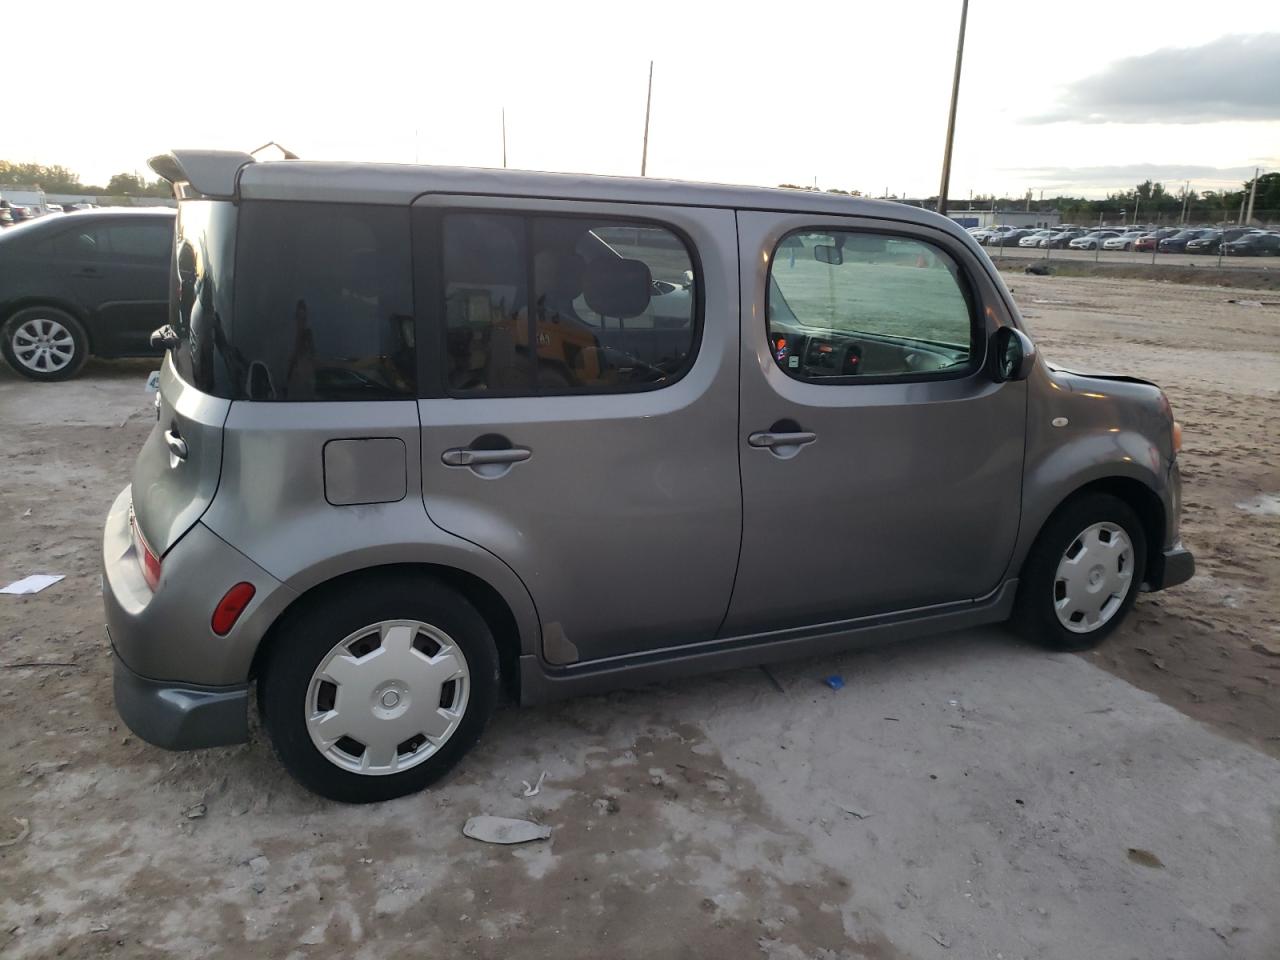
<point x="1083" y="574"/>
<point x="376" y="690"/>
<point x="44" y="343"/>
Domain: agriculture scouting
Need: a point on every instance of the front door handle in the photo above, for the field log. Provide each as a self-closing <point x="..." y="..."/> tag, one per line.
<point x="467" y="457"/>
<point x="775" y="440"/>
<point x="89" y="273"/>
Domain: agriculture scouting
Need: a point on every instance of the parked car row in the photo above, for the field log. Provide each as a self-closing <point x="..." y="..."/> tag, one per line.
<point x="1234" y="241"/>
<point x="12" y="214"/>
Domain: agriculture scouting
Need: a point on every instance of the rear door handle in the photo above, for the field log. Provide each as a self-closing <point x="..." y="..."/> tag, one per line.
<point x="90" y="273"/>
<point x="466" y="457"/>
<point x="775" y="440"/>
<point x="177" y="447"/>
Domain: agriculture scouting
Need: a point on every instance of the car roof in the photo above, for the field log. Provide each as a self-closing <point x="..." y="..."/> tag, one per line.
<point x="112" y="212"/>
<point x="41" y="225"/>
<point x="403" y="183"/>
<point x="223" y="174"/>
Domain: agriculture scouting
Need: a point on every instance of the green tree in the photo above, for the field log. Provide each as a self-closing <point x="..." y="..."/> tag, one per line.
<point x="54" y="179"/>
<point x="131" y="185"/>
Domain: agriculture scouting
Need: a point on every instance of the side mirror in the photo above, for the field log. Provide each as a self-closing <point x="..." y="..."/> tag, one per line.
<point x="164" y="338"/>
<point x="828" y="253"/>
<point x="1012" y="355"/>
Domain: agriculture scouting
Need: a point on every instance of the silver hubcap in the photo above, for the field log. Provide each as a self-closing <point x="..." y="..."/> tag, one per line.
<point x="1094" y="576"/>
<point x="387" y="697"/>
<point x="43" y="345"/>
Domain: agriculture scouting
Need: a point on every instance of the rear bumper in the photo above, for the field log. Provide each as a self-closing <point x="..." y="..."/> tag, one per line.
<point x="181" y="716"/>
<point x="166" y="633"/>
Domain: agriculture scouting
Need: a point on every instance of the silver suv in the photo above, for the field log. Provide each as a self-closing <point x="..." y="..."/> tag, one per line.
<point x="426" y="433"/>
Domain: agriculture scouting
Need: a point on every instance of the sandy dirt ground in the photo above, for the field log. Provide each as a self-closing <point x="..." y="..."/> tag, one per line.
<point x="1212" y="647"/>
<point x="969" y="796"/>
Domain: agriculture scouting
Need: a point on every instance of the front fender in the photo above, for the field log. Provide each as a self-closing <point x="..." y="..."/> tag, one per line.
<point x="1084" y="429"/>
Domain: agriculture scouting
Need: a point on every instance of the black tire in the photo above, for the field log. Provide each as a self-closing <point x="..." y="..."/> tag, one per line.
<point x="79" y="341"/>
<point x="306" y="636"/>
<point x="1035" y="617"/>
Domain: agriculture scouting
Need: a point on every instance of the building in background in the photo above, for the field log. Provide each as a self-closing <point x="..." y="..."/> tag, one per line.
<point x="24" y="195"/>
<point x="1014" y="218"/>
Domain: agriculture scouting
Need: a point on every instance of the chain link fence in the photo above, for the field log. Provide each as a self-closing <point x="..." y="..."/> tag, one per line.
<point x="1223" y="243"/>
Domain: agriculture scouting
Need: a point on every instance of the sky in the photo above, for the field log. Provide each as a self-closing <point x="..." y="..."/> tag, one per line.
<point x="1080" y="98"/>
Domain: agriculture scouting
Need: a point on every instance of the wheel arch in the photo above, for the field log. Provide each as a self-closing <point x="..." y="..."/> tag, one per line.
<point x="58" y="303"/>
<point x="486" y="599"/>
<point x="1137" y="495"/>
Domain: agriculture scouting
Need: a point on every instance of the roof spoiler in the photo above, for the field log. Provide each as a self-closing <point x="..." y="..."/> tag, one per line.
<point x="205" y="173"/>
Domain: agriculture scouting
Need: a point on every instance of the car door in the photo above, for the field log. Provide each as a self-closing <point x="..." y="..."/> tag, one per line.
<point x="582" y="423"/>
<point x="132" y="278"/>
<point x="881" y="467"/>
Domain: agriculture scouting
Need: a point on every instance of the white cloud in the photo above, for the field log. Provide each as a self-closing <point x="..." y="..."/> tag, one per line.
<point x="1231" y="78"/>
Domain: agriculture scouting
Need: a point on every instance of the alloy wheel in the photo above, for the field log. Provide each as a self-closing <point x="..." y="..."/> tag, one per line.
<point x="43" y="345"/>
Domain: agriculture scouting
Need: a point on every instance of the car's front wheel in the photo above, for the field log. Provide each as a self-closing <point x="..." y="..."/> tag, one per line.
<point x="375" y="690"/>
<point x="44" y="343"/>
<point x="1083" y="574"/>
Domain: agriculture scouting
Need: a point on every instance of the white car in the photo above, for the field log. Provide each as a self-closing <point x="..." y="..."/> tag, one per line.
<point x="986" y="233"/>
<point x="1090" y="241"/>
<point x="1033" y="239"/>
<point x="1123" y="242"/>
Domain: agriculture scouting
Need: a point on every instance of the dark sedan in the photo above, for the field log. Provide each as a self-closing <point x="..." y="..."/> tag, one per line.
<point x="1254" y="245"/>
<point x="1059" y="241"/>
<point x="1207" y="242"/>
<point x="94" y="283"/>
<point x="1009" y="239"/>
<point x="1215" y="239"/>
<point x="1178" y="242"/>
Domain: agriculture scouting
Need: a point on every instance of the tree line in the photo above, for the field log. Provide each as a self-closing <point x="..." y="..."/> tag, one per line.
<point x="59" y="179"/>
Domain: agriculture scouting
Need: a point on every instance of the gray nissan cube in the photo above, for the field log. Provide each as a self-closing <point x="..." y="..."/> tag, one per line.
<point x="424" y="434"/>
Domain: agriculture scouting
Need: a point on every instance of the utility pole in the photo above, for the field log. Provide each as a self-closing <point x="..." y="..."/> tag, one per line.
<point x="504" y="138"/>
<point x="1186" y="195"/>
<point x="951" y="117"/>
<point x="648" y="101"/>
<point x="1253" y="192"/>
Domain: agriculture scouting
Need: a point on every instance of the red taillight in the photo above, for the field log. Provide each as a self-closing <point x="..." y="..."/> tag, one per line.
<point x="147" y="558"/>
<point x="229" y="608"/>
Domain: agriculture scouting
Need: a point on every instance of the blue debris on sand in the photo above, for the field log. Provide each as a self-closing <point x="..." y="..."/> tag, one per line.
<point x="835" y="681"/>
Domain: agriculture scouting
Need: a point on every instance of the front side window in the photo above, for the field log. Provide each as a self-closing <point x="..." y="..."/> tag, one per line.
<point x="323" y="303"/>
<point x="849" y="307"/>
<point x="540" y="304"/>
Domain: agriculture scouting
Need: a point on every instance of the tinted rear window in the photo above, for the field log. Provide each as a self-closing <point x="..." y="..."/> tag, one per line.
<point x="200" y="293"/>
<point x="323" y="303"/>
<point x="607" y="306"/>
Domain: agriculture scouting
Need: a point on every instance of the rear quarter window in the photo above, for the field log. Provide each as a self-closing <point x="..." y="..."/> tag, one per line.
<point x="323" y="303"/>
<point x="200" y="295"/>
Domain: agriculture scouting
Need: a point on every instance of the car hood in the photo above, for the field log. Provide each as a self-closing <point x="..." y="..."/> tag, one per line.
<point x="1084" y="377"/>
